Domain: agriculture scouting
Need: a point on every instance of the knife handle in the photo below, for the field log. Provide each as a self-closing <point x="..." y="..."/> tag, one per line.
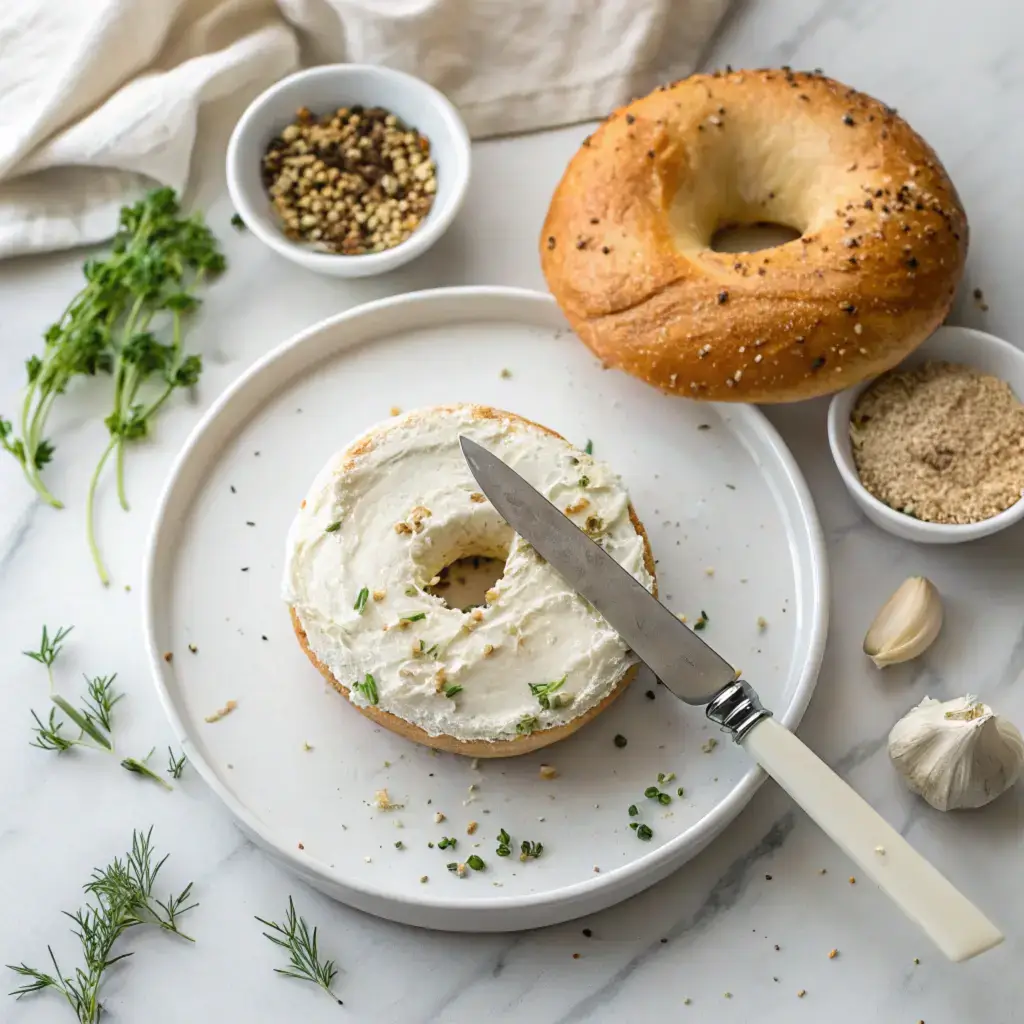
<point x="947" y="917"/>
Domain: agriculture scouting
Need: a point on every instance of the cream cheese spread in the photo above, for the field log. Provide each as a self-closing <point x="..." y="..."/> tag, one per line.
<point x="381" y="521"/>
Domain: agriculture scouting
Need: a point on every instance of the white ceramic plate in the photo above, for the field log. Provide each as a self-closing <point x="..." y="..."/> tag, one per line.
<point x="732" y="526"/>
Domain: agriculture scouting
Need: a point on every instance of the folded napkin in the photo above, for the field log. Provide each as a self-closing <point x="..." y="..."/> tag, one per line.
<point x="99" y="98"/>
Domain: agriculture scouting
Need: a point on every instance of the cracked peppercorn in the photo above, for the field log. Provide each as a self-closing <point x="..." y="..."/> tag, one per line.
<point x="353" y="181"/>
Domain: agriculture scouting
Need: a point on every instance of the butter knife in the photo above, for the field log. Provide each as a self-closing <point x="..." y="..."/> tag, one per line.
<point x="696" y="674"/>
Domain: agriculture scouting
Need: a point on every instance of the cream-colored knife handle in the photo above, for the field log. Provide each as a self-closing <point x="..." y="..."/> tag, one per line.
<point x="949" y="919"/>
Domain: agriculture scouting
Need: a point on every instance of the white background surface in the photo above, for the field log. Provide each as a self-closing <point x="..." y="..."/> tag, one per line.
<point x="957" y="75"/>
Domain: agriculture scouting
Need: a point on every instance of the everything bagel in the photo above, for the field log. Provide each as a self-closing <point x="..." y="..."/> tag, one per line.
<point x="626" y="243"/>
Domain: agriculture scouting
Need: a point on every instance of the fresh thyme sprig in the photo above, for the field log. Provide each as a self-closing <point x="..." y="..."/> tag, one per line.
<point x="301" y="943"/>
<point x="121" y="898"/>
<point x="49" y="648"/>
<point x="175" y="765"/>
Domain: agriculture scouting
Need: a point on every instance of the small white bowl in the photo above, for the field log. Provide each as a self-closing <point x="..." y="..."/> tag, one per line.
<point x="324" y="89"/>
<point x="963" y="345"/>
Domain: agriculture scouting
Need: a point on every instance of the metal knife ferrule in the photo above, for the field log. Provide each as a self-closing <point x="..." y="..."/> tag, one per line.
<point x="737" y="709"/>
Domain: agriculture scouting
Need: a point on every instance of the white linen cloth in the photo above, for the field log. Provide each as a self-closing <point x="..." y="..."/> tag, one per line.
<point x="99" y="98"/>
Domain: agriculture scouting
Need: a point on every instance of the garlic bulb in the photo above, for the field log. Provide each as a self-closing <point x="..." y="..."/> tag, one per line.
<point x="957" y="753"/>
<point x="907" y="625"/>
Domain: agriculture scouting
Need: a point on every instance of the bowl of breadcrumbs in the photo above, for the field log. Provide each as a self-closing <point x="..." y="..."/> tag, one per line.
<point x="349" y="169"/>
<point x="933" y="451"/>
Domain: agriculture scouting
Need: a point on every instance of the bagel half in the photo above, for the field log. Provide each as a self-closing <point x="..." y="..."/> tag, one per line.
<point x="499" y="747"/>
<point x="626" y="244"/>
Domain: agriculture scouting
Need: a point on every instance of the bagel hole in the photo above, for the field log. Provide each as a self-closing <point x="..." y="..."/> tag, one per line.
<point x="463" y="583"/>
<point x="752" y="237"/>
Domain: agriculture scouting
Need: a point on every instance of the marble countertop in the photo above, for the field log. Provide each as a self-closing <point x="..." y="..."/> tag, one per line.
<point x="735" y="934"/>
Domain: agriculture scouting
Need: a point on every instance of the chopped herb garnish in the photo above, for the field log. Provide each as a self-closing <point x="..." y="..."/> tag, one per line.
<point x="399" y="845"/>
<point x="702" y="621"/>
<point x="504" y="844"/>
<point x="651" y="792"/>
<point x="526" y="725"/>
<point x="584" y="481"/>
<point x="475" y="862"/>
<point x="334" y="527"/>
<point x="453" y="866"/>
<point x="634" y="825"/>
<point x="413" y="618"/>
<point x="589" y="447"/>
<point x="620" y="740"/>
<point x="451" y="691"/>
<point x="633" y="812"/>
<point x="679" y="791"/>
<point x="543" y="692"/>
<point x="360" y="605"/>
<point x="530" y="850"/>
<point x="237" y="222"/>
<point x="432" y="650"/>
<point x="644" y="832"/>
<point x="368" y="688"/>
<point x="444" y="843"/>
<point x="664" y="798"/>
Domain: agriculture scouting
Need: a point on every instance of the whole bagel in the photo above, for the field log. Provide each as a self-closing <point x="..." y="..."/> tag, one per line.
<point x="626" y="243"/>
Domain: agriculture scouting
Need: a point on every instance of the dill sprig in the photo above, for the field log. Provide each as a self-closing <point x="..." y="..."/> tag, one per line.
<point x="303" y="956"/>
<point x="121" y="898"/>
<point x="95" y="728"/>
<point x="88" y="725"/>
<point x="49" y="648"/>
<point x="48" y="735"/>
<point x="102" y="698"/>
<point x="133" y="764"/>
<point x="175" y="765"/>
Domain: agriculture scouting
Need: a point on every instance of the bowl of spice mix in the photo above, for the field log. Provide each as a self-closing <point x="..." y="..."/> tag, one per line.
<point x="349" y="169"/>
<point x="933" y="451"/>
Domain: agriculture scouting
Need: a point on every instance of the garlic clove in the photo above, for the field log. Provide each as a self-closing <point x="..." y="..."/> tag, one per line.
<point x="956" y="754"/>
<point x="907" y="624"/>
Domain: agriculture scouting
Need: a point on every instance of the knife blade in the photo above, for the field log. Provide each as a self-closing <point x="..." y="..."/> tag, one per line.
<point x="691" y="669"/>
